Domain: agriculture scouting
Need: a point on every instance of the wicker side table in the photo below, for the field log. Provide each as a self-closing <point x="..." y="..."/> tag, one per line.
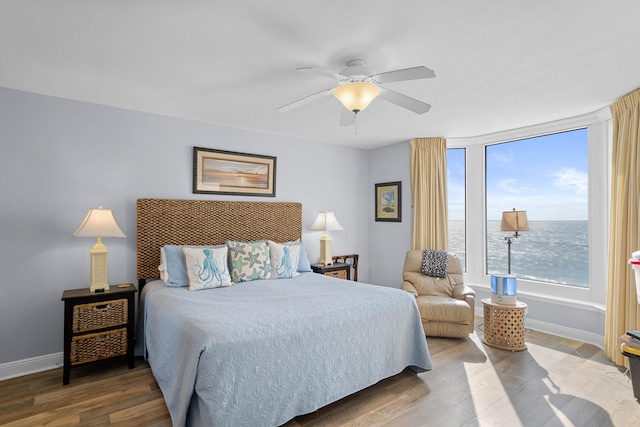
<point x="504" y="325"/>
<point x="97" y="326"/>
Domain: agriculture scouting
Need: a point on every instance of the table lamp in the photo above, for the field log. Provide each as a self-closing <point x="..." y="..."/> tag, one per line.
<point x="326" y="221"/>
<point x="99" y="223"/>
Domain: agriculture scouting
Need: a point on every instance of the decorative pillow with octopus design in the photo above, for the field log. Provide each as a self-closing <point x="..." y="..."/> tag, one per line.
<point x="249" y="260"/>
<point x="207" y="267"/>
<point x="284" y="259"/>
<point x="173" y="270"/>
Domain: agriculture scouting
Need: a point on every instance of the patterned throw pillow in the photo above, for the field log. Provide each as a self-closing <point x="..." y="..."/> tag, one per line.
<point x="249" y="260"/>
<point x="284" y="259"/>
<point x="173" y="271"/>
<point x="434" y="263"/>
<point x="207" y="267"/>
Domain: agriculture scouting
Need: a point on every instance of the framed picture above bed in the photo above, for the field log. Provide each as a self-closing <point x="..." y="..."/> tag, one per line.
<point x="389" y="201"/>
<point x="230" y="172"/>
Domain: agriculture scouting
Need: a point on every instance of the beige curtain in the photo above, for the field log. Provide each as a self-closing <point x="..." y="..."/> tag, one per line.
<point x="429" y="193"/>
<point x="624" y="238"/>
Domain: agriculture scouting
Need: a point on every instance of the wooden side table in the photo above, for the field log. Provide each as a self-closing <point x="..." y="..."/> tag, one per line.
<point x="504" y="325"/>
<point x="98" y="326"/>
<point x="337" y="269"/>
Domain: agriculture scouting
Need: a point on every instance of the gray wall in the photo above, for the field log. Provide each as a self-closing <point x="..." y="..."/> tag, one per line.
<point x="59" y="157"/>
<point x="389" y="241"/>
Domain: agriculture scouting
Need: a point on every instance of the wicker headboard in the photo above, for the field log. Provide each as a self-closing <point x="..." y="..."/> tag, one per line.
<point x="209" y="222"/>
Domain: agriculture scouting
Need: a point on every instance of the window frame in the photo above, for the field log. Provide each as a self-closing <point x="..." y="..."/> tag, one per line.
<point x="599" y="158"/>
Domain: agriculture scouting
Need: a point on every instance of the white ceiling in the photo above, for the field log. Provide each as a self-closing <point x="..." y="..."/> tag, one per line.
<point x="499" y="64"/>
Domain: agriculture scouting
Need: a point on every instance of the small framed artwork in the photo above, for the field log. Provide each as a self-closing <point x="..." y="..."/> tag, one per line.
<point x="389" y="201"/>
<point x="229" y="172"/>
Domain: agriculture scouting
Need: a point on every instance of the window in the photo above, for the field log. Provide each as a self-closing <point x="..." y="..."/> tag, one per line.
<point x="570" y="150"/>
<point x="547" y="177"/>
<point x="456" y="199"/>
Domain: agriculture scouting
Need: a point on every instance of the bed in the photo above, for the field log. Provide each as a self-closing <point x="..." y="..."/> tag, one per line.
<point x="261" y="352"/>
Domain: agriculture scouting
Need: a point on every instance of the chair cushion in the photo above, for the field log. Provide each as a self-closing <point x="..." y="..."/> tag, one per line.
<point x="427" y="285"/>
<point x="444" y="309"/>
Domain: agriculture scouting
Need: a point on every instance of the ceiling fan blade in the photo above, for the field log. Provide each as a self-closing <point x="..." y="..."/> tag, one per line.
<point x="306" y="99"/>
<point x="404" y="74"/>
<point x="347" y="118"/>
<point x="323" y="73"/>
<point x="404" y="101"/>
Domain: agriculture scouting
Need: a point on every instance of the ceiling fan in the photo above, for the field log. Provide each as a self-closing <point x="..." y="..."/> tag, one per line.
<point x="356" y="89"/>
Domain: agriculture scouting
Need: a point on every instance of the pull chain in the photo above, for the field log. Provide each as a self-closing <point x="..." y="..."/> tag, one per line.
<point x="355" y="123"/>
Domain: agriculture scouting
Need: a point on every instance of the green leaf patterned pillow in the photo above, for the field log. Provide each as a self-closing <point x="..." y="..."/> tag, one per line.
<point x="249" y="260"/>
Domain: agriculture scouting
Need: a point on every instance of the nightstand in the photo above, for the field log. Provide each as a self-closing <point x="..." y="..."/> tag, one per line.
<point x="337" y="269"/>
<point x="97" y="326"/>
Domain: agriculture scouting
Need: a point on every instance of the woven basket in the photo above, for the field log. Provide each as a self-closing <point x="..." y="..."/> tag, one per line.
<point x="98" y="315"/>
<point x="340" y="274"/>
<point x="102" y="345"/>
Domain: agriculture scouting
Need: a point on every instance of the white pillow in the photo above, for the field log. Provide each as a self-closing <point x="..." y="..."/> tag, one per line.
<point x="207" y="267"/>
<point x="284" y="259"/>
<point x="304" y="265"/>
<point x="164" y="273"/>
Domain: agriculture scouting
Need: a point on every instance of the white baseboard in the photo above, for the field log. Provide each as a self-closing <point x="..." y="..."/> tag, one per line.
<point x="564" y="332"/>
<point x="32" y="365"/>
<point x="558" y="330"/>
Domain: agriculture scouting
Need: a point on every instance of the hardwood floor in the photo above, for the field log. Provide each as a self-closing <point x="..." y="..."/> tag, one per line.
<point x="555" y="382"/>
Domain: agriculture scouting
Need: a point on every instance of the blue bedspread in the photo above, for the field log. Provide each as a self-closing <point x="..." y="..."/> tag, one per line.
<point x="259" y="353"/>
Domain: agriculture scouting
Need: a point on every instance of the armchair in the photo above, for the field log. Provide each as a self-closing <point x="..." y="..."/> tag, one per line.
<point x="446" y="304"/>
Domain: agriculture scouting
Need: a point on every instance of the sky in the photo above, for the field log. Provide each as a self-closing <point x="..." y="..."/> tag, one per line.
<point x="545" y="176"/>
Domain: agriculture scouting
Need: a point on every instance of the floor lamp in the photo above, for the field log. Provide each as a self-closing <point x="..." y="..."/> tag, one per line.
<point x="514" y="221"/>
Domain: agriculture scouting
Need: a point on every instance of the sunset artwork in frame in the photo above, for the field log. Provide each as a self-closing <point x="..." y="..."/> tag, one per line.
<point x="230" y="172"/>
<point x="389" y="201"/>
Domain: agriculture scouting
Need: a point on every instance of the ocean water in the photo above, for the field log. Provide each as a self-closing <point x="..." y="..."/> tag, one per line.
<point x="553" y="251"/>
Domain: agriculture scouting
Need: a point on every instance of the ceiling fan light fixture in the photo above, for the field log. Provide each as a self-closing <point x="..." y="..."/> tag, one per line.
<point x="356" y="96"/>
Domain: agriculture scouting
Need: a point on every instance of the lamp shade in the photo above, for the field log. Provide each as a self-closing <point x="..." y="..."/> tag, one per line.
<point x="326" y="221"/>
<point x="514" y="221"/>
<point x="99" y="222"/>
<point x="356" y="96"/>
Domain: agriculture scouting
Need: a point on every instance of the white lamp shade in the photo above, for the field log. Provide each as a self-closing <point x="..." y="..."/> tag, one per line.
<point x="356" y="96"/>
<point x="99" y="222"/>
<point x="514" y="221"/>
<point x="326" y="221"/>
